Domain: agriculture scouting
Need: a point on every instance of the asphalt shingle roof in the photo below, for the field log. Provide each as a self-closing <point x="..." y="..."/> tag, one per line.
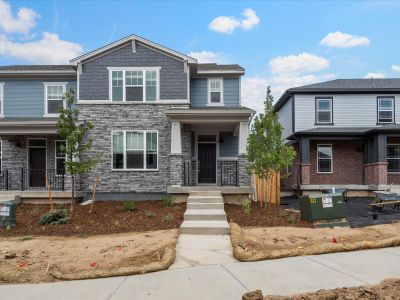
<point x="37" y="68"/>
<point x="217" y="67"/>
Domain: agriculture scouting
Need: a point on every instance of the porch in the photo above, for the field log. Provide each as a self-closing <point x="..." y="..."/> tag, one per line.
<point x="208" y="147"/>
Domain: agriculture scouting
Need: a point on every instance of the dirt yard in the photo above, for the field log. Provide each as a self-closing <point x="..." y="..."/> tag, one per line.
<point x="46" y="259"/>
<point x="260" y="243"/>
<point x="272" y="216"/>
<point x="107" y="217"/>
<point x="386" y="290"/>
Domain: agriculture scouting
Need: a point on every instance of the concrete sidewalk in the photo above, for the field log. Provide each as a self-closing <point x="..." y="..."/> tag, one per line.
<point x="229" y="280"/>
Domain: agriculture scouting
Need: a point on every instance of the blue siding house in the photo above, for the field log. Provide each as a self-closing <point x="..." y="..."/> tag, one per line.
<point x="162" y="121"/>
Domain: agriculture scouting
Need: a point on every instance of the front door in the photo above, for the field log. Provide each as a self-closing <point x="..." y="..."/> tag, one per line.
<point x="207" y="163"/>
<point x="37" y="167"/>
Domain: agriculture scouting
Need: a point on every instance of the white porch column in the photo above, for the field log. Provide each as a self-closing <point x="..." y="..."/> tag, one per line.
<point x="176" y="140"/>
<point x="243" y="135"/>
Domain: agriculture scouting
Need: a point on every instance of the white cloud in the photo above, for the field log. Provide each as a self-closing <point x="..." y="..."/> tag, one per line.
<point x="253" y="91"/>
<point x="298" y="64"/>
<point x="228" y="24"/>
<point x="343" y="40"/>
<point x="24" y="22"/>
<point x="209" y="57"/>
<point x="396" y="68"/>
<point x="50" y="49"/>
<point x="375" y="75"/>
<point x="251" y="19"/>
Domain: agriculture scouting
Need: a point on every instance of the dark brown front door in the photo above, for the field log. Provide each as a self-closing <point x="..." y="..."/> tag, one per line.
<point x="37" y="167"/>
<point x="207" y="162"/>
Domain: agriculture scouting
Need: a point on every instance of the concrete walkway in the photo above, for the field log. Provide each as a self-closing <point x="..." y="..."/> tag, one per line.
<point x="229" y="280"/>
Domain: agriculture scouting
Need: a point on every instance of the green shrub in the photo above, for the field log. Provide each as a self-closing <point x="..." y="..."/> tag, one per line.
<point x="168" y="217"/>
<point x="128" y="206"/>
<point x="245" y="203"/>
<point x="168" y="201"/>
<point x="55" y="217"/>
<point x="177" y="208"/>
<point x="150" y="214"/>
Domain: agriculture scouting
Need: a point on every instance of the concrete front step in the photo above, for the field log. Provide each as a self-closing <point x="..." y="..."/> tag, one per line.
<point x="205" y="215"/>
<point x="205" y="199"/>
<point x="205" y="227"/>
<point x="205" y="193"/>
<point x="205" y="206"/>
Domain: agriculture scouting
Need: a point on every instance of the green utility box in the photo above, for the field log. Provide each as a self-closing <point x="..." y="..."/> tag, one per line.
<point x="8" y="212"/>
<point x="325" y="210"/>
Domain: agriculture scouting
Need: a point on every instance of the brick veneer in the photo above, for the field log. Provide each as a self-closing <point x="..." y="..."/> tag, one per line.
<point x="376" y="173"/>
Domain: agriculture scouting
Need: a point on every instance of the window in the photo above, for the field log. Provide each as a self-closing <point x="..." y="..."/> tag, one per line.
<point x="1" y="98"/>
<point x="134" y="84"/>
<point x="60" y="157"/>
<point x="1" y="156"/>
<point x="215" y="91"/>
<point x="324" y="159"/>
<point x="54" y="97"/>
<point x="135" y="150"/>
<point x="393" y="157"/>
<point x="385" y="109"/>
<point x="323" y="110"/>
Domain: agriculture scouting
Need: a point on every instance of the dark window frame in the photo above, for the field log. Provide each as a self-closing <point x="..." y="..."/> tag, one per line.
<point x="393" y="110"/>
<point x="316" y="111"/>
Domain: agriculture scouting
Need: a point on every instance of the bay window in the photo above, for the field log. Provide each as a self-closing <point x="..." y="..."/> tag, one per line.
<point x="134" y="84"/>
<point x="135" y="150"/>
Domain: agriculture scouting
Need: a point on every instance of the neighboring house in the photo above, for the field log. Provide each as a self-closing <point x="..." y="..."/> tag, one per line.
<point x="163" y="123"/>
<point x="346" y="133"/>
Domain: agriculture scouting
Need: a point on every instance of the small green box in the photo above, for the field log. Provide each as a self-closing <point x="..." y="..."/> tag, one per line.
<point x="8" y="213"/>
<point x="322" y="207"/>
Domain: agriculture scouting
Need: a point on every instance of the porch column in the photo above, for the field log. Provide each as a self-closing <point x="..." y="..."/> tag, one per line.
<point x="243" y="136"/>
<point x="176" y="162"/>
<point x="305" y="161"/>
<point x="376" y="167"/>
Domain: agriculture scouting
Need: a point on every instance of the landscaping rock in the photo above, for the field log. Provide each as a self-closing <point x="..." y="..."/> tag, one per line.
<point x="256" y="295"/>
<point x="10" y="255"/>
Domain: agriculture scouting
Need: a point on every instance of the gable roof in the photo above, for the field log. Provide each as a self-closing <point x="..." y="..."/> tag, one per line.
<point x="37" y="69"/>
<point x="369" y="85"/>
<point x="132" y="37"/>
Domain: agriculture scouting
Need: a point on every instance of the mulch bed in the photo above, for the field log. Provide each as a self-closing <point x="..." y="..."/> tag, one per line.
<point x="272" y="216"/>
<point x="106" y="217"/>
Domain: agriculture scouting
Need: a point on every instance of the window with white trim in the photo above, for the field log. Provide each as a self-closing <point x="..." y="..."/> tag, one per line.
<point x="134" y="85"/>
<point x="1" y="156"/>
<point x="135" y="150"/>
<point x="54" y="97"/>
<point x="385" y="110"/>
<point x="215" y="91"/>
<point x="323" y="108"/>
<point x="60" y="157"/>
<point x="393" y="158"/>
<point x="324" y="158"/>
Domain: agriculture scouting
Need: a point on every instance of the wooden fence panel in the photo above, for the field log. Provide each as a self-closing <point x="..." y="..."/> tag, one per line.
<point x="268" y="190"/>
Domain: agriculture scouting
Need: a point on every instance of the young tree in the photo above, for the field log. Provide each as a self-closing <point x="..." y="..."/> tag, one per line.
<point x="266" y="150"/>
<point x="73" y="132"/>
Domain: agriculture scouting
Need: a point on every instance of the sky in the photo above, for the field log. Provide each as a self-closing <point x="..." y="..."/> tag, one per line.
<point x="280" y="43"/>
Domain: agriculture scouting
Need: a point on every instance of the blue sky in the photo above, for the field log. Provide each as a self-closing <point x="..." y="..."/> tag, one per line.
<point x="280" y="43"/>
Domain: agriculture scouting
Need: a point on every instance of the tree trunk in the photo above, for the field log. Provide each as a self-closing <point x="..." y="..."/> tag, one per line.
<point x="72" y="192"/>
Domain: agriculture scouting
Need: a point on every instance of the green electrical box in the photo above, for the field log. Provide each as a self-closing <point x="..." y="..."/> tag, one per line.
<point x="8" y="212"/>
<point x="325" y="210"/>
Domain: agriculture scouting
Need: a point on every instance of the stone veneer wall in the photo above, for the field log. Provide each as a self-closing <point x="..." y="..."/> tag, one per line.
<point x="244" y="177"/>
<point x="108" y="117"/>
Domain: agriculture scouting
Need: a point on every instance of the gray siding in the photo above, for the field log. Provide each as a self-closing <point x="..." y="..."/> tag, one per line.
<point x="199" y="92"/>
<point x="286" y="118"/>
<point x="348" y="110"/>
<point x="94" y="81"/>
<point x="25" y="98"/>
<point x="230" y="146"/>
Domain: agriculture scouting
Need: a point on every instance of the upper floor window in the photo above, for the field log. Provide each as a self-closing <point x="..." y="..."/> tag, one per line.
<point x="60" y="157"/>
<point x="385" y="110"/>
<point x="324" y="158"/>
<point x="1" y="98"/>
<point x="323" y="112"/>
<point x="134" y="84"/>
<point x="215" y="91"/>
<point x="54" y="97"/>
<point x="135" y="150"/>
